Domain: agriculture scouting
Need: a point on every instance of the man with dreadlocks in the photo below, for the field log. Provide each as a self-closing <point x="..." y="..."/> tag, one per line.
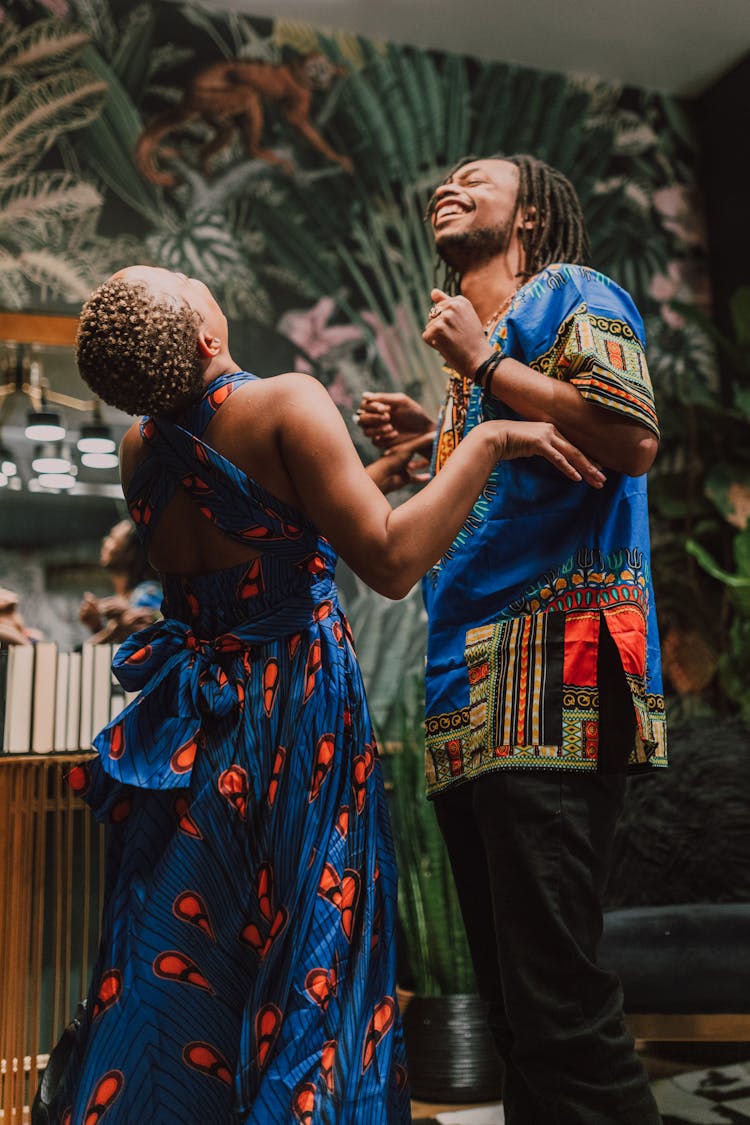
<point x="542" y="681"/>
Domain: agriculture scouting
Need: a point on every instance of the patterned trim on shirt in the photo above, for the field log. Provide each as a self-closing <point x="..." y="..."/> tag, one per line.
<point x="586" y="579"/>
<point x="604" y="359"/>
<point x="532" y="677"/>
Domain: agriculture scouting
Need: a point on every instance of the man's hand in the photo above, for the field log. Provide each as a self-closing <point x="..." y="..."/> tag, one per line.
<point x="389" y="418"/>
<point x="403" y="464"/>
<point x="454" y="329"/>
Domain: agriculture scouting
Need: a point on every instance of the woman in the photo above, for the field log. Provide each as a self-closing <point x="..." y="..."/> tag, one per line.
<point x="136" y="595"/>
<point x="246" y="970"/>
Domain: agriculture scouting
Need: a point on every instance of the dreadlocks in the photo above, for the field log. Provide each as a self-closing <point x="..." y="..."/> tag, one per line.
<point x="559" y="233"/>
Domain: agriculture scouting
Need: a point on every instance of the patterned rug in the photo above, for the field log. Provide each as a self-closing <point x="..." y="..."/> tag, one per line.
<point x="718" y="1096"/>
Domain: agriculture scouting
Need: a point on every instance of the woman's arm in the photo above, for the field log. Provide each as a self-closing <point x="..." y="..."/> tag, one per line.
<point x="392" y="548"/>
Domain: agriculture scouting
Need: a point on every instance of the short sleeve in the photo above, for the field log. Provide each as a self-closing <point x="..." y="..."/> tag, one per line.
<point x="604" y="359"/>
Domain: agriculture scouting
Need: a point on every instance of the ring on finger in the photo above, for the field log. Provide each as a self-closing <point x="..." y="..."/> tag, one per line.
<point x="435" y="310"/>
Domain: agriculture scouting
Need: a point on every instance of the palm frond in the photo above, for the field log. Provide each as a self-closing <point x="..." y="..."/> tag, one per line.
<point x="40" y="47"/>
<point x="14" y="291"/>
<point x="55" y="274"/>
<point x="457" y="104"/>
<point x="27" y="211"/>
<point x="164" y="56"/>
<point x="31" y="122"/>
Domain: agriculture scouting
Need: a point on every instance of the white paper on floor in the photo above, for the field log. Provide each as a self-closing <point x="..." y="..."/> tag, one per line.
<point x="696" y="1098"/>
<point x="484" y="1115"/>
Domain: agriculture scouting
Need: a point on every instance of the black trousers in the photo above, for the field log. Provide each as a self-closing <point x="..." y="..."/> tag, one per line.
<point x="530" y="853"/>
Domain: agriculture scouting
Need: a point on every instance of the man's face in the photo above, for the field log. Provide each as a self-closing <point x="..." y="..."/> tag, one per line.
<point x="474" y="211"/>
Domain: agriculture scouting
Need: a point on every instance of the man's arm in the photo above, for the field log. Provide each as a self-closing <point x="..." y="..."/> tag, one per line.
<point x="604" y="435"/>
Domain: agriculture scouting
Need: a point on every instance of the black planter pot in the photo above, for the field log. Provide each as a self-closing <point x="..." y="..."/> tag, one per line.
<point x="450" y="1051"/>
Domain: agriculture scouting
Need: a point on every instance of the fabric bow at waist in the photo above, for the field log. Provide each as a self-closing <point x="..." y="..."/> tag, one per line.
<point x="182" y="679"/>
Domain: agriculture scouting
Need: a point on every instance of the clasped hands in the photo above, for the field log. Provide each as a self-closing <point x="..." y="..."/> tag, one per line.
<point x="398" y="425"/>
<point x="404" y="431"/>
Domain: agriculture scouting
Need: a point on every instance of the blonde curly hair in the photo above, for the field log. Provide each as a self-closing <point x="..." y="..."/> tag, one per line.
<point x="139" y="353"/>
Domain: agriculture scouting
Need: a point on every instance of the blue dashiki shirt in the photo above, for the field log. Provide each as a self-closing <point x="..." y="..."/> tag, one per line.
<point x="516" y="604"/>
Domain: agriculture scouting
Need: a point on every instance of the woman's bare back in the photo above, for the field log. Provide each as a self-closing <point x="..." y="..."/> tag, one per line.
<point x="245" y="431"/>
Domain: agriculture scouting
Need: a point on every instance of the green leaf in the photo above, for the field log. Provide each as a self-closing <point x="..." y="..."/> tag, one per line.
<point x="678" y="120"/>
<point x="741" y="549"/>
<point x="739" y="307"/>
<point x="131" y="61"/>
<point x="668" y="494"/>
<point x="434" y="938"/>
<point x="109" y="142"/>
<point x="709" y="564"/>
<point x="726" y="483"/>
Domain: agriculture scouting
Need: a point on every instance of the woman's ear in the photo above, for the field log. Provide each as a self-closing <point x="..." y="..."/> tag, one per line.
<point x="208" y="345"/>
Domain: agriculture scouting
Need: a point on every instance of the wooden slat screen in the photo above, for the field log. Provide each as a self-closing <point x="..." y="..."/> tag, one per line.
<point x="51" y="886"/>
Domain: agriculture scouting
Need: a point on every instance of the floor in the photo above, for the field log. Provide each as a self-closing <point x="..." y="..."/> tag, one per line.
<point x="691" y="1086"/>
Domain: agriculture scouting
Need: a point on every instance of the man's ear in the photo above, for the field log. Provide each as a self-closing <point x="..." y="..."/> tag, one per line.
<point x="528" y="217"/>
<point x="208" y="345"/>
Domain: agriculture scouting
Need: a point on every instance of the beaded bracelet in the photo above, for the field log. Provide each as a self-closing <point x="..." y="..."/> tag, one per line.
<point x="483" y="374"/>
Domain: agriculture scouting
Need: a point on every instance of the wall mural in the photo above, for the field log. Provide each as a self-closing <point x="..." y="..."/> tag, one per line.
<point x="290" y="168"/>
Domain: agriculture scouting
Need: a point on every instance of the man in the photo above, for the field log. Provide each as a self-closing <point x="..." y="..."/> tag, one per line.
<point x="542" y="681"/>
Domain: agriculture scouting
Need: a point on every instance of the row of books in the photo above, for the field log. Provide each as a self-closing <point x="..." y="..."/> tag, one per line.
<point x="53" y="701"/>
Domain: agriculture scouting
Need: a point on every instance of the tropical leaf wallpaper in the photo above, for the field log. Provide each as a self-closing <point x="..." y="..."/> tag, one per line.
<point x="290" y="169"/>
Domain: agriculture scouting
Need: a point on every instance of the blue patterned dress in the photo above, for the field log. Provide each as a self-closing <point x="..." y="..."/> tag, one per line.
<point x="247" y="963"/>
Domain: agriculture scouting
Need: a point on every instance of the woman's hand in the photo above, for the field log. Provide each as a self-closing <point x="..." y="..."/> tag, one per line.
<point x="389" y="418"/>
<point x="541" y="439"/>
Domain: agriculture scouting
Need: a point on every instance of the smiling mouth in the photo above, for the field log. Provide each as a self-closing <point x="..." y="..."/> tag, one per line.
<point x="448" y="211"/>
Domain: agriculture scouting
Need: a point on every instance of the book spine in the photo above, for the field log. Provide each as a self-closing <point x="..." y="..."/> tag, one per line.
<point x="43" y="721"/>
<point x="101" y="702"/>
<point x="72" y="737"/>
<point x="20" y="688"/>
<point x="61" y="703"/>
<point x="87" y="696"/>
<point x="4" y="654"/>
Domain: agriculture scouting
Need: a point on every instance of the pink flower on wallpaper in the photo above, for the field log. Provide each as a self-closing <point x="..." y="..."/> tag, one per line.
<point x="681" y="214"/>
<point x="683" y="282"/>
<point x="59" y="8"/>
<point x="309" y="330"/>
<point x="340" y="393"/>
<point x="389" y="341"/>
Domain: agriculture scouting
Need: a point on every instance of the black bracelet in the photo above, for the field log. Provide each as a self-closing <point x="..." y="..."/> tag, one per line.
<point x="484" y="372"/>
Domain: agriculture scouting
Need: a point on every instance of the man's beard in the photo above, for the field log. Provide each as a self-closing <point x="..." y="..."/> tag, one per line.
<point x="474" y="247"/>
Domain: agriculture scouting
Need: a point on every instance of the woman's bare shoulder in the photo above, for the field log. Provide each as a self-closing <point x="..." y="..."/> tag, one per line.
<point x="273" y="403"/>
<point x="133" y="450"/>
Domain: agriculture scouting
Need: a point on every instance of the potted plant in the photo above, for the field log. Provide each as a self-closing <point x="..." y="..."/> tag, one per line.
<point x="451" y="1054"/>
<point x="701" y="517"/>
